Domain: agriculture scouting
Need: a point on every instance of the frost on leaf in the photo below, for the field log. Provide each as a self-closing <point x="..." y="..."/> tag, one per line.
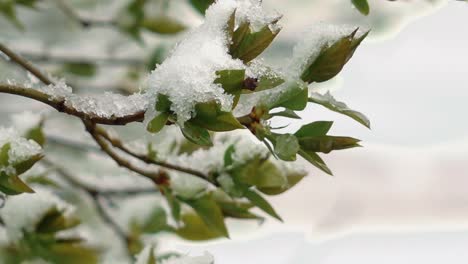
<point x="17" y="155"/>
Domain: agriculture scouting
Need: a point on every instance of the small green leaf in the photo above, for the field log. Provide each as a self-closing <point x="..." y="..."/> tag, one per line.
<point x="163" y="25"/>
<point x="210" y="116"/>
<point x="294" y="97"/>
<point x="196" y="134"/>
<point x="25" y="165"/>
<point x="157" y="221"/>
<point x="163" y="103"/>
<point x="231" y="80"/>
<point x="326" y="144"/>
<point x="37" y="135"/>
<point x="261" y="203"/>
<point x="209" y="211"/>
<point x="252" y="44"/>
<point x="292" y="180"/>
<point x="228" y="160"/>
<point x="195" y="229"/>
<point x="332" y="59"/>
<point x="13" y="185"/>
<point x="157" y="123"/>
<point x="174" y="204"/>
<point x="319" y="128"/>
<point x="329" y="102"/>
<point x="315" y="160"/>
<point x="286" y="147"/>
<point x="81" y="69"/>
<point x="54" y="221"/>
<point x="4" y="154"/>
<point x="362" y="6"/>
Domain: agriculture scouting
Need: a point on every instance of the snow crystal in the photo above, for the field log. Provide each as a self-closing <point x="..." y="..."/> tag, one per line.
<point x="253" y="12"/>
<point x="23" y="212"/>
<point x="21" y="148"/>
<point x="312" y="42"/>
<point x="55" y="92"/>
<point x="107" y="105"/>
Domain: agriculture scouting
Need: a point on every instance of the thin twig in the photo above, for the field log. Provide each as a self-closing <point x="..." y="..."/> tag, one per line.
<point x="145" y="158"/>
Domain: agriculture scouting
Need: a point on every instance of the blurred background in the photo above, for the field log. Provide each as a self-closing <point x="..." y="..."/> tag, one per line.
<point x="402" y="198"/>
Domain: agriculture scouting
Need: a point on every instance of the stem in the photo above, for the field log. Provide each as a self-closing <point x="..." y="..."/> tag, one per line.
<point x="25" y="64"/>
<point x="118" y="144"/>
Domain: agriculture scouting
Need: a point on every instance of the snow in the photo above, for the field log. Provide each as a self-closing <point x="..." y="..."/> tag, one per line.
<point x="24" y="212"/>
<point x="26" y="120"/>
<point x="55" y="92"/>
<point x="187" y="76"/>
<point x="252" y="11"/>
<point x="21" y="149"/>
<point x="107" y="105"/>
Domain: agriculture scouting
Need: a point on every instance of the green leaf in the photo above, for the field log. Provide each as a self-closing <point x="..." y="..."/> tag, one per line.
<point x="319" y="128"/>
<point x="163" y="25"/>
<point x="247" y="45"/>
<point x="73" y="253"/>
<point x="210" y="116"/>
<point x="131" y="18"/>
<point x="25" y="165"/>
<point x="286" y="147"/>
<point x="196" y="134"/>
<point x="194" y="228"/>
<point x="201" y="5"/>
<point x="228" y="160"/>
<point x="329" y="102"/>
<point x="37" y="135"/>
<point x="326" y="144"/>
<point x="163" y="104"/>
<point x="209" y="211"/>
<point x="174" y="204"/>
<point x="157" y="221"/>
<point x="4" y="154"/>
<point x="261" y="203"/>
<point x="332" y="59"/>
<point x="13" y="185"/>
<point x="232" y="81"/>
<point x="292" y="180"/>
<point x="54" y="221"/>
<point x="315" y="160"/>
<point x="362" y="6"/>
<point x="294" y="97"/>
<point x="157" y="123"/>
<point x="268" y="81"/>
<point x="81" y="69"/>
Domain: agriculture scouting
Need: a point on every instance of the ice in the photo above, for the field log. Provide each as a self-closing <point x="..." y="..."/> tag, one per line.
<point x="312" y="41"/>
<point x="23" y="212"/>
<point x="107" y="105"/>
<point x="21" y="149"/>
